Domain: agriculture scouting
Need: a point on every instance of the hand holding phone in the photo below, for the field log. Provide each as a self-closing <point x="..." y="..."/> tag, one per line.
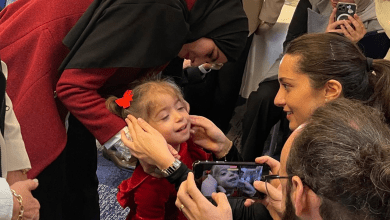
<point x="344" y="10"/>
<point x="352" y="28"/>
<point x="195" y="206"/>
<point x="273" y="189"/>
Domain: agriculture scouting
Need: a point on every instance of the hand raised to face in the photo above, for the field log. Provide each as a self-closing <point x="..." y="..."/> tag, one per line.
<point x="353" y="28"/>
<point x="147" y="143"/>
<point x="207" y="135"/>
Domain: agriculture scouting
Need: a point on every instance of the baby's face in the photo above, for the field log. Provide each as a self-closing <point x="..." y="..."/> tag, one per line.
<point x="171" y="119"/>
<point x="226" y="177"/>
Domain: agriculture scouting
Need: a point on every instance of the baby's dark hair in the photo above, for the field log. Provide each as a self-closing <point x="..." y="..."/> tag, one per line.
<point x="145" y="94"/>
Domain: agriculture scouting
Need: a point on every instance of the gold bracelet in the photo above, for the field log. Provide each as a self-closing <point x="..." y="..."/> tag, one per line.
<point x="20" y="200"/>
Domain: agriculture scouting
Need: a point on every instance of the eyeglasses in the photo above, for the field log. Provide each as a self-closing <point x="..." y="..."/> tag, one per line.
<point x="268" y="178"/>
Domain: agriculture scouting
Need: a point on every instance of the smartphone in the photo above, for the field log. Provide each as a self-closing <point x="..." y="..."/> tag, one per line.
<point x="235" y="179"/>
<point x="344" y="9"/>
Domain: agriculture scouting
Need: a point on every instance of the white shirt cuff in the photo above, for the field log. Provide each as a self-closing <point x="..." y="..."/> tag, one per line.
<point x="6" y="200"/>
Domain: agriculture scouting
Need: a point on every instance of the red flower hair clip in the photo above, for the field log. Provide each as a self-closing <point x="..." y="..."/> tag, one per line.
<point x="124" y="102"/>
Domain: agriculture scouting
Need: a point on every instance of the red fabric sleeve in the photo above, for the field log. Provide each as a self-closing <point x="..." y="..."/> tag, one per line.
<point x="77" y="89"/>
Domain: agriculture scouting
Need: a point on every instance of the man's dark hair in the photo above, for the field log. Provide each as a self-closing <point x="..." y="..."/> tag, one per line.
<point x="343" y="155"/>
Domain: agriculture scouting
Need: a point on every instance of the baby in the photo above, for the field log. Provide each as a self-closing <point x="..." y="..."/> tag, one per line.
<point x="226" y="179"/>
<point x="159" y="102"/>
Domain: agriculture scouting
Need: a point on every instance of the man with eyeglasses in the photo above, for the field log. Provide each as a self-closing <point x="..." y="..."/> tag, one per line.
<point x="335" y="167"/>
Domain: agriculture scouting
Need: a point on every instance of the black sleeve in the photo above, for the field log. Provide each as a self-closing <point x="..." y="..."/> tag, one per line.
<point x="179" y="176"/>
<point x="175" y="71"/>
<point x="241" y="212"/>
<point x="375" y="45"/>
<point x="194" y="75"/>
<point x="190" y="75"/>
<point x="255" y="211"/>
<point x="298" y="24"/>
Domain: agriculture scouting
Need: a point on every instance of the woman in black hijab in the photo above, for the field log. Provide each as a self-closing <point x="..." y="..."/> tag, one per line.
<point x="103" y="45"/>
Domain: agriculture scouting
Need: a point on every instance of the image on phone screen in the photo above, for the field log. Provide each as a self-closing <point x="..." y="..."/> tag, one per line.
<point x="235" y="180"/>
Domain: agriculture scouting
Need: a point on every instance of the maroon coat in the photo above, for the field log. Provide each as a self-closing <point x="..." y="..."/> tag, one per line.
<point x="153" y="198"/>
<point x="31" y="45"/>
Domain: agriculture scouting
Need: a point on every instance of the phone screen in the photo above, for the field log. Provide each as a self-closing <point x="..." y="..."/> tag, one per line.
<point x="233" y="179"/>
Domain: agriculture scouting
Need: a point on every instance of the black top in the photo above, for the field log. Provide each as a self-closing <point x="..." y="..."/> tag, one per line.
<point x="149" y="33"/>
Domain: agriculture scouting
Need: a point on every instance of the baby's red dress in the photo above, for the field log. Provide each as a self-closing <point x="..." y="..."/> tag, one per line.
<point x="154" y="198"/>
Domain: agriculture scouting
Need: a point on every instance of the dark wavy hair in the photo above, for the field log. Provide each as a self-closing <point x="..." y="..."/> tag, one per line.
<point x="343" y="155"/>
<point x="326" y="56"/>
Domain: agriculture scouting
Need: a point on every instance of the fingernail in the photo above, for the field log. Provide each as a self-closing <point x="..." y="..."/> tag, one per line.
<point x="35" y="180"/>
<point x="140" y="120"/>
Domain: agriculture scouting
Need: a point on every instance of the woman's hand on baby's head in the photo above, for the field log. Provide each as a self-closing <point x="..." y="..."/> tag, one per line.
<point x="147" y="144"/>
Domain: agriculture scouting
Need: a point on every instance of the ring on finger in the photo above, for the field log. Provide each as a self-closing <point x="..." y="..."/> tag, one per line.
<point x="181" y="207"/>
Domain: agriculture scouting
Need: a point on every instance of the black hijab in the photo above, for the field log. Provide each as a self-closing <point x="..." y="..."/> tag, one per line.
<point x="149" y="33"/>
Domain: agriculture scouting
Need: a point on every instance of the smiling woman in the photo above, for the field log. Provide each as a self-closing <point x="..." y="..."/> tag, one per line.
<point x="310" y="16"/>
<point x="321" y="67"/>
<point x="296" y="95"/>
